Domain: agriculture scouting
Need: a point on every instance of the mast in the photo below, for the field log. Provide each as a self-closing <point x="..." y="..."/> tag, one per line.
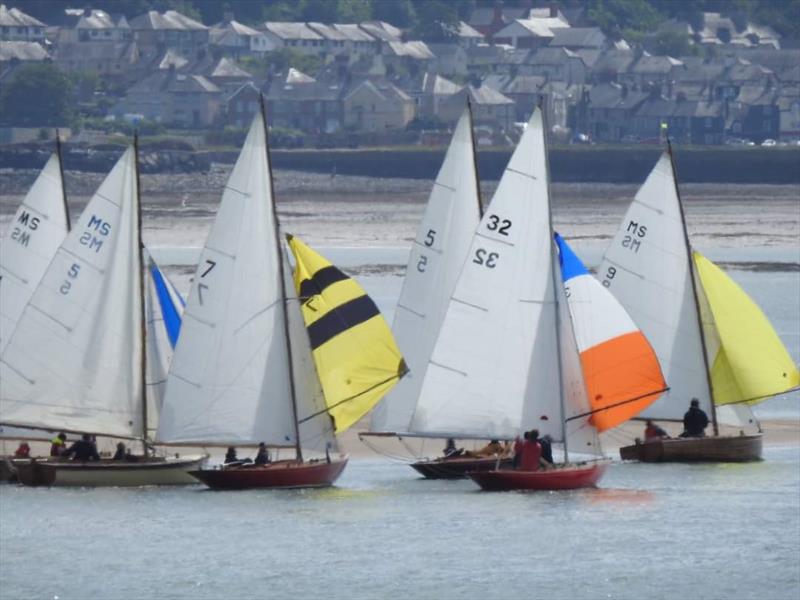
<point x="694" y="290"/>
<point x="284" y="300"/>
<point x="142" y="316"/>
<point x="475" y="159"/>
<point x="63" y="183"/>
<point x="555" y="294"/>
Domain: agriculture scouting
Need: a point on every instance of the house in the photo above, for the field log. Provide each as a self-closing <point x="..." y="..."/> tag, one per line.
<point x="335" y="42"/>
<point x="525" y="90"/>
<point x="648" y="70"/>
<point x="580" y="38"/>
<point x="295" y="36"/>
<point x="467" y="36"/>
<point x="524" y="33"/>
<point x="358" y="41"/>
<point x="608" y="110"/>
<point x="241" y="105"/>
<point x="412" y="56"/>
<point x="490" y="108"/>
<point x="155" y="32"/>
<point x="489" y="21"/>
<point x="310" y="106"/>
<point x="717" y="30"/>
<point x="93" y="26"/>
<point x="755" y="114"/>
<point x="382" y="31"/>
<point x="557" y="64"/>
<point x="377" y="106"/>
<point x="236" y="39"/>
<point x="11" y="52"/>
<point x="428" y="92"/>
<point x="611" y="65"/>
<point x="173" y="98"/>
<point x="227" y="75"/>
<point x="17" y="26"/>
<point x="451" y="59"/>
<point x="104" y="57"/>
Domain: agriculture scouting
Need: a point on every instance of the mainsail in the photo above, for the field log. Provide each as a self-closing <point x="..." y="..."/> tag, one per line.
<point x="437" y="254"/>
<point x="498" y="366"/>
<point x="34" y="234"/>
<point x="356" y="356"/>
<point x="749" y="363"/>
<point x="231" y="379"/>
<point x="647" y="268"/>
<point x="73" y="362"/>
<point x="620" y="367"/>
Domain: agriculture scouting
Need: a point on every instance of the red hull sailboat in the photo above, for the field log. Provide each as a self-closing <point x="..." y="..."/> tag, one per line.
<point x="280" y="474"/>
<point x="568" y="477"/>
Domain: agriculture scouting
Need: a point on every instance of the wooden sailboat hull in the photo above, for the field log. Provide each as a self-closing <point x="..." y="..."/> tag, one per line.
<point x="282" y="474"/>
<point x="108" y="473"/>
<point x="723" y="448"/>
<point x="457" y="468"/>
<point x="568" y="477"/>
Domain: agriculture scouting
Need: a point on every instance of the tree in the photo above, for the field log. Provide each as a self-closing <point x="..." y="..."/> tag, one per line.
<point x="37" y="95"/>
<point x="399" y="13"/>
<point x="437" y="20"/>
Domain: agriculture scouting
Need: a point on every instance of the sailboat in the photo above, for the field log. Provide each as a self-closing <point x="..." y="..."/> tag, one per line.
<point x="439" y="250"/>
<point x="76" y="360"/>
<point x="506" y="359"/>
<point x="244" y="369"/>
<point x="712" y="341"/>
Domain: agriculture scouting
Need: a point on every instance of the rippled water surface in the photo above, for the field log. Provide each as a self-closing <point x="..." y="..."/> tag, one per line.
<point x="650" y="531"/>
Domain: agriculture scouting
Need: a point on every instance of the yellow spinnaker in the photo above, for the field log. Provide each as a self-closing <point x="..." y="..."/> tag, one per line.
<point x="356" y="355"/>
<point x="752" y="363"/>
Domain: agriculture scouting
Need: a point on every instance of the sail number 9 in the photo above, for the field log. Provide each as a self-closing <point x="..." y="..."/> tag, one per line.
<point x="497" y="224"/>
<point x="72" y="275"/>
<point x="610" y="274"/>
<point x="487" y="259"/>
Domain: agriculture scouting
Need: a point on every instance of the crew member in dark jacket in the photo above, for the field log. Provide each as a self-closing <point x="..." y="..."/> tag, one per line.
<point x="695" y="420"/>
<point x="262" y="456"/>
<point x="84" y="449"/>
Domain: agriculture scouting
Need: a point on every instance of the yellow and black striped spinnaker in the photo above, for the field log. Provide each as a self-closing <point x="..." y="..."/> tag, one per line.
<point x="357" y="358"/>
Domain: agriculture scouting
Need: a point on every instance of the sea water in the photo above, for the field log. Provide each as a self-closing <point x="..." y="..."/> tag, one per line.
<point x="650" y="531"/>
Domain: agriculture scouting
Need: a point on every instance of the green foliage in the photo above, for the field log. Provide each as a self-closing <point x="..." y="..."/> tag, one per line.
<point x="669" y="42"/>
<point x="400" y="13"/>
<point x="437" y="21"/>
<point x="38" y="94"/>
<point x="279" y="61"/>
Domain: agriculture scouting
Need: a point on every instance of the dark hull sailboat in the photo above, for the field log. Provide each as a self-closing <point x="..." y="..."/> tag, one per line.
<point x="722" y="448"/>
<point x="562" y="477"/>
<point x="457" y="468"/>
<point x="279" y="474"/>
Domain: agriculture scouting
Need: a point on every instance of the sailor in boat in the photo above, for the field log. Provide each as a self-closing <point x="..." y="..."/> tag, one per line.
<point x="121" y="452"/>
<point x="546" y="442"/>
<point x="58" y="445"/>
<point x="83" y="450"/>
<point x="231" y="460"/>
<point x="262" y="456"/>
<point x="23" y="450"/>
<point x="493" y="448"/>
<point x="695" y="420"/>
<point x="450" y="450"/>
<point x="653" y="432"/>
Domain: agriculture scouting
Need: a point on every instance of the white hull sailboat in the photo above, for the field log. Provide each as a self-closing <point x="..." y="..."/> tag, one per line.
<point x="714" y="344"/>
<point x="76" y="360"/>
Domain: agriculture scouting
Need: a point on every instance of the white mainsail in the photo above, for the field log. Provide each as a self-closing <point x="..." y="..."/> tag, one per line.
<point x="229" y="382"/>
<point x="647" y="268"/>
<point x="495" y="367"/>
<point x="437" y="255"/>
<point x="34" y="234"/>
<point x="73" y="362"/>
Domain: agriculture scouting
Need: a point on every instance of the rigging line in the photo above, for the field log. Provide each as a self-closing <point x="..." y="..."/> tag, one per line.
<point x="754" y="398"/>
<point x="340" y="402"/>
<point x="384" y="453"/>
<point x="616" y="404"/>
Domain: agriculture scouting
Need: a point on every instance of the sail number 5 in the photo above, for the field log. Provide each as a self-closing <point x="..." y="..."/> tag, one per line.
<point x="72" y="275"/>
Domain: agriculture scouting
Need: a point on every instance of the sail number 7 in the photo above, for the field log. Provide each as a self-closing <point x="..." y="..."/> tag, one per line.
<point x="202" y="286"/>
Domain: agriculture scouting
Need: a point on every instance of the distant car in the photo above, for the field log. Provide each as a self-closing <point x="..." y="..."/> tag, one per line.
<point x="769" y="142"/>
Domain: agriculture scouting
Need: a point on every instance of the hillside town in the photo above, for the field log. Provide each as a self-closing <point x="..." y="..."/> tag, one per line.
<point x="370" y="83"/>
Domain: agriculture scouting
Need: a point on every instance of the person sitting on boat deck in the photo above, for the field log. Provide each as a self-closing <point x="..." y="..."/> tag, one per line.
<point x="695" y="420"/>
<point x="231" y="460"/>
<point x="83" y="450"/>
<point x="23" y="451"/>
<point x="531" y="452"/>
<point x="121" y="452"/>
<point x="653" y="432"/>
<point x="450" y="450"/>
<point x="58" y="445"/>
<point x="493" y="448"/>
<point x="546" y="442"/>
<point x="262" y="456"/>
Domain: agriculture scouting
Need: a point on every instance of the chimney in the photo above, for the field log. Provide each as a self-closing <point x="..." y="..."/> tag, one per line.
<point x="497" y="19"/>
<point x="553" y="10"/>
<point x="87" y="12"/>
<point x="227" y="16"/>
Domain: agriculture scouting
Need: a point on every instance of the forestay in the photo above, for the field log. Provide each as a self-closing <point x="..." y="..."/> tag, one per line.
<point x="73" y="362"/>
<point x="749" y="361"/>
<point x="494" y="369"/>
<point x="647" y="268"/>
<point x="229" y="378"/>
<point x="437" y="255"/>
<point x="33" y="236"/>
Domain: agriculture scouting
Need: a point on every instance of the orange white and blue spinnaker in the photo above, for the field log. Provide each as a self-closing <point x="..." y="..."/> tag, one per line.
<point x="620" y="367"/>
